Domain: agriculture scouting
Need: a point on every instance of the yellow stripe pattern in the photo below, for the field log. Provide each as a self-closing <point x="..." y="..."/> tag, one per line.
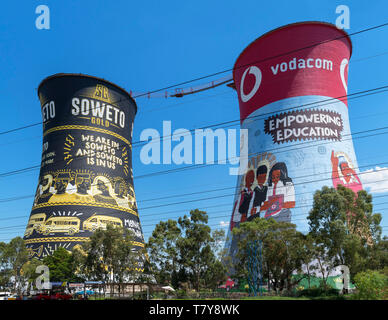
<point x="107" y="206"/>
<point x="78" y="127"/>
<point x="70" y="239"/>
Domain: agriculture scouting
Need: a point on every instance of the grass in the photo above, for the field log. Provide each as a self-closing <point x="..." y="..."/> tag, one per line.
<point x="346" y="297"/>
<point x="329" y="297"/>
<point x="275" y="298"/>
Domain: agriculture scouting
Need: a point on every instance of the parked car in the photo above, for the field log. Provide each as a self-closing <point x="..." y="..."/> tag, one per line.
<point x="53" y="296"/>
<point x="42" y="296"/>
<point x="62" y="296"/>
<point x="5" y="295"/>
<point x="88" y="292"/>
<point x="228" y="285"/>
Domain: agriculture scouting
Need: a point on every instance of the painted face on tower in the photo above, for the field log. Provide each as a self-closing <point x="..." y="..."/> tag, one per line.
<point x="347" y="172"/>
<point x="249" y="179"/>
<point x="61" y="185"/>
<point x="84" y="185"/>
<point x="101" y="186"/>
<point x="261" y="178"/>
<point x="275" y="176"/>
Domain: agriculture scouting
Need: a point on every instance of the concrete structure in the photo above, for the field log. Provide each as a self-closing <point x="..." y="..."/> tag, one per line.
<point x="292" y="87"/>
<point x="86" y="179"/>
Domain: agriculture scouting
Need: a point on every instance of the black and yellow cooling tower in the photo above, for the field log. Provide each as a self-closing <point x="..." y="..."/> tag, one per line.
<point x="85" y="179"/>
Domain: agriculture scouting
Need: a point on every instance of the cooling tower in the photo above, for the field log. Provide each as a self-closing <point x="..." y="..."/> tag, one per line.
<point x="292" y="86"/>
<point x="86" y="179"/>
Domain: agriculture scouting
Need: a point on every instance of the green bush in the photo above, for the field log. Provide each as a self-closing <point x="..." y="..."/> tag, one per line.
<point x="181" y="293"/>
<point x="371" y="285"/>
<point x="317" y="292"/>
<point x="159" y="295"/>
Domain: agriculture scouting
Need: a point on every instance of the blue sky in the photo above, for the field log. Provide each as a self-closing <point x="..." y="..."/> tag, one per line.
<point x="147" y="46"/>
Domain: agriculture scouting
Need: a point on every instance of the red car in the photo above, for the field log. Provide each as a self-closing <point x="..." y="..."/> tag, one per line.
<point x="228" y="285"/>
<point x="62" y="296"/>
<point x="53" y="296"/>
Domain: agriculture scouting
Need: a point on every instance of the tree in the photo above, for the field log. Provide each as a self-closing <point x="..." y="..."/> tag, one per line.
<point x="109" y="256"/>
<point x="195" y="246"/>
<point x="14" y="256"/>
<point x="163" y="252"/>
<point x="377" y="258"/>
<point x="187" y="252"/>
<point x="61" y="266"/>
<point x="218" y="243"/>
<point x="15" y="265"/>
<point x="5" y="272"/>
<point x="256" y="230"/>
<point x="128" y="262"/>
<point x="371" y="285"/>
<point x="29" y="271"/>
<point x="323" y="262"/>
<point x="281" y="250"/>
<point x="343" y="227"/>
<point x="307" y="255"/>
<point x="214" y="275"/>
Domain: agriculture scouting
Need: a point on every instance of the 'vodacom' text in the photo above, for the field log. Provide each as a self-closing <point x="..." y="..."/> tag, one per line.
<point x="294" y="64"/>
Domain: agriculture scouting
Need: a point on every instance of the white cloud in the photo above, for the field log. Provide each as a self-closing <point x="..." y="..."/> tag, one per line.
<point x="375" y="180"/>
<point x="224" y="223"/>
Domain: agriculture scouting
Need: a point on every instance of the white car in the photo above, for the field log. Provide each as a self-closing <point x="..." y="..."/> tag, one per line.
<point x="5" y="295"/>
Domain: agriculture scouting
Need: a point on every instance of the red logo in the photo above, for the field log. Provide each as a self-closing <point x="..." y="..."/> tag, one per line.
<point x="298" y="60"/>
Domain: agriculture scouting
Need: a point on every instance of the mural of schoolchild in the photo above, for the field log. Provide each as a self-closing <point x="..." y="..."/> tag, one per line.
<point x="280" y="195"/>
<point x="241" y="207"/>
<point x="83" y="183"/>
<point x="343" y="172"/>
<point x="259" y="192"/>
<point x="43" y="193"/>
<point x="121" y="191"/>
<point x="61" y="181"/>
<point x="104" y="187"/>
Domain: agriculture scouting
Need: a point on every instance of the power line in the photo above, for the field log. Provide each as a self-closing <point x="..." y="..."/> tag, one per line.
<point x="209" y="214"/>
<point x="297" y="207"/>
<point x="215" y="190"/>
<point x="179" y="195"/>
<point x="92" y="108"/>
<point x="148" y="233"/>
<point x="27" y="169"/>
<point x="229" y="123"/>
<point x="228" y="70"/>
<point x="226" y="195"/>
<point x="265" y="59"/>
<point x="229" y="204"/>
<point x="228" y="216"/>
<point x="10" y="227"/>
<point x="209" y="218"/>
<point x="138" y="143"/>
<point x="315" y="144"/>
<point x="182" y="103"/>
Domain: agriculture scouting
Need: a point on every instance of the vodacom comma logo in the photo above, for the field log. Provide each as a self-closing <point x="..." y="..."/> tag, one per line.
<point x="257" y="73"/>
<point x="344" y="63"/>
